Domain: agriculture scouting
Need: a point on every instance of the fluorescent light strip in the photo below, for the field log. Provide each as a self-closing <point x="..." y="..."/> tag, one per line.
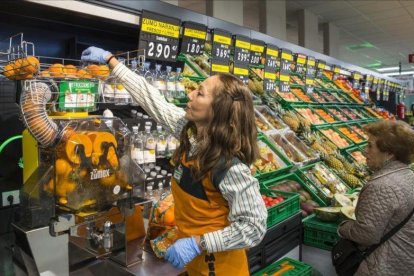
<point x="388" y="69"/>
<point x="397" y="74"/>
<point x="90" y="9"/>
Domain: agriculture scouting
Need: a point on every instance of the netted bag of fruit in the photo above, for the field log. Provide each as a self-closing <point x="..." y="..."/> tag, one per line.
<point x="162" y="217"/>
<point x="161" y="243"/>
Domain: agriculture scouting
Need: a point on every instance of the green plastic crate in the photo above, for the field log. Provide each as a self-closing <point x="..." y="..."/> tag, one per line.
<point x="300" y="269"/>
<point x="322" y="195"/>
<point x="267" y="175"/>
<point x="270" y="183"/>
<point x="321" y="128"/>
<point x="201" y="74"/>
<point x="336" y="127"/>
<point x="281" y="211"/>
<point x="320" y="234"/>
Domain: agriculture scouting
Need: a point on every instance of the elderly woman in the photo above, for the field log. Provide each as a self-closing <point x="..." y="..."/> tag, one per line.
<point x="385" y="201"/>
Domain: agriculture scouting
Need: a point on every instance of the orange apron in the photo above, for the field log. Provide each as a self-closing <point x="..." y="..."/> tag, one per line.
<point x="200" y="208"/>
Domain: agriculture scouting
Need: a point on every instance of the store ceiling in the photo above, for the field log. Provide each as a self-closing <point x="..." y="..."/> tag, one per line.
<point x="372" y="33"/>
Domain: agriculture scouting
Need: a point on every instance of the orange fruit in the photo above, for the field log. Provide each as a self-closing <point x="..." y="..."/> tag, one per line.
<point x="8" y="70"/>
<point x="56" y="70"/>
<point x="169" y="217"/>
<point x="70" y="70"/>
<point x="30" y="64"/>
<point x="93" y="69"/>
<point x="73" y="142"/>
<point x="103" y="72"/>
<point x="45" y="73"/>
<point x="63" y="168"/>
<point x="83" y="74"/>
<point x="108" y="181"/>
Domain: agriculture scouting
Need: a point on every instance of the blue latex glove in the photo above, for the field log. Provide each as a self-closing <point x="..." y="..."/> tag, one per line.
<point x="95" y="54"/>
<point x="182" y="252"/>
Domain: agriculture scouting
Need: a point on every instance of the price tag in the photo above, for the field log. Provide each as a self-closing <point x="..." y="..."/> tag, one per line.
<point x="320" y="67"/>
<point x="241" y="49"/>
<point x="159" y="36"/>
<point x="219" y="66"/>
<point x="194" y="38"/>
<point x="336" y="70"/>
<point x="356" y="76"/>
<point x="300" y="63"/>
<point x="242" y="73"/>
<point x="272" y="58"/>
<point x="286" y="59"/>
<point x="310" y="74"/>
<point x="257" y="48"/>
<point x="221" y="45"/>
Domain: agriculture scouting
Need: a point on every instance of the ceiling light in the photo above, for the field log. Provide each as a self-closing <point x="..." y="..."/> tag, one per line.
<point x="397" y="74"/>
<point x="388" y="69"/>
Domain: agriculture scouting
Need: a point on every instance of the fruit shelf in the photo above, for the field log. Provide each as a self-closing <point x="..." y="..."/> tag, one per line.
<point x="266" y="115"/>
<point x="357" y="155"/>
<point x="339" y="139"/>
<point x="286" y="267"/>
<point x="294" y="149"/>
<point x="323" y="180"/>
<point x="293" y="183"/>
<point x="350" y="133"/>
<point x="271" y="162"/>
<point x="319" y="234"/>
<point x="282" y="210"/>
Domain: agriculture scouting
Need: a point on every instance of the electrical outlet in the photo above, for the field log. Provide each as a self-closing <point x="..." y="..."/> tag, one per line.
<point x="5" y="195"/>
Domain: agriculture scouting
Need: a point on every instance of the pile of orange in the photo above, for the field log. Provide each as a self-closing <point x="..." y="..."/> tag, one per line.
<point x="58" y="70"/>
<point x="22" y="68"/>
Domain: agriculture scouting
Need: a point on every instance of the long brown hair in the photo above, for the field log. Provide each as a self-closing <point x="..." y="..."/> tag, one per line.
<point x="231" y="131"/>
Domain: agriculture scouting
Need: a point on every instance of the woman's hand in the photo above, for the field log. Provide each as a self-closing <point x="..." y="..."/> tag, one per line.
<point x="95" y="54"/>
<point x="182" y="252"/>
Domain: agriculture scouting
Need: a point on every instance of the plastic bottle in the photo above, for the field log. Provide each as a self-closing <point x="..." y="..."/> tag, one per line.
<point x="137" y="148"/>
<point x="150" y="194"/>
<point x="148" y="75"/>
<point x="172" y="145"/>
<point x="179" y="86"/>
<point x="159" y="78"/>
<point x="150" y="145"/>
<point x="161" y="142"/>
<point x="171" y="89"/>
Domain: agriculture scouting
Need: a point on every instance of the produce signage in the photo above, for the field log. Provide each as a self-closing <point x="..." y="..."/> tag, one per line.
<point x="320" y="66"/>
<point x="286" y="59"/>
<point x="369" y="79"/>
<point x="159" y="36"/>
<point x="386" y="89"/>
<point x="194" y="38"/>
<point x="356" y="76"/>
<point x="257" y="48"/>
<point x="300" y="63"/>
<point x="77" y="95"/>
<point x="337" y="71"/>
<point x="310" y="74"/>
<point x="241" y="57"/>
<point x="272" y="59"/>
<point x="220" y="52"/>
<point x="377" y="84"/>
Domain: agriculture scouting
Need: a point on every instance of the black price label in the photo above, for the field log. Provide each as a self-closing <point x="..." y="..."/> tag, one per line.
<point x="241" y="72"/>
<point x="219" y="66"/>
<point x="284" y="83"/>
<point x="272" y="58"/>
<point x="159" y="36"/>
<point x="194" y="38"/>
<point x="269" y="85"/>
<point x="256" y="51"/>
<point x="300" y="63"/>
<point x="310" y="74"/>
<point x="320" y="66"/>
<point x="286" y="59"/>
<point x="221" y="45"/>
<point x="241" y="49"/>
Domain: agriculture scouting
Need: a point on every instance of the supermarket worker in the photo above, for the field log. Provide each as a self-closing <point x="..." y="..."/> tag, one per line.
<point x="219" y="211"/>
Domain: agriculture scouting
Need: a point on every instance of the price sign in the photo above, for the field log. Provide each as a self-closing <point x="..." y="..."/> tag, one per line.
<point x="257" y="48"/>
<point x="242" y="73"/>
<point x="286" y="59"/>
<point x="320" y="66"/>
<point x="241" y="49"/>
<point x="310" y="74"/>
<point x="336" y="70"/>
<point x="221" y="45"/>
<point x="219" y="66"/>
<point x="300" y="63"/>
<point x="272" y="58"/>
<point x="194" y="38"/>
<point x="159" y="36"/>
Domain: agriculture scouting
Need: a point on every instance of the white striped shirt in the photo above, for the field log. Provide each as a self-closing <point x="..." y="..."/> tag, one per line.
<point x="248" y="214"/>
